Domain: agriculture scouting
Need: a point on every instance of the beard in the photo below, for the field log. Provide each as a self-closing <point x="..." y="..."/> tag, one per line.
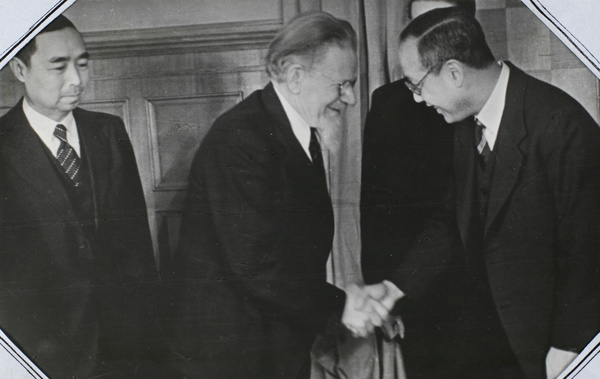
<point x="330" y="133"/>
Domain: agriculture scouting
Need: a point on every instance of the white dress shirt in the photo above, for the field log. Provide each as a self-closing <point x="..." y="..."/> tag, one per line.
<point x="491" y="113"/>
<point x="44" y="128"/>
<point x="300" y="127"/>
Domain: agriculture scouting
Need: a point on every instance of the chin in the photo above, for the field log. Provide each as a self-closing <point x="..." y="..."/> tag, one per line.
<point x="69" y="106"/>
<point x="450" y="119"/>
<point x="330" y="133"/>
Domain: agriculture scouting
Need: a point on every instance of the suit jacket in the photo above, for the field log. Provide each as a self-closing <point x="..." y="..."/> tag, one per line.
<point x="256" y="233"/>
<point x="541" y="234"/>
<point x="406" y="172"/>
<point x="68" y="298"/>
<point x="406" y="168"/>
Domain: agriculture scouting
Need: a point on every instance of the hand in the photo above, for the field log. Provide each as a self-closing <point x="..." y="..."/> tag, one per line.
<point x="557" y="361"/>
<point x="386" y="293"/>
<point x="355" y="317"/>
<point x="369" y="306"/>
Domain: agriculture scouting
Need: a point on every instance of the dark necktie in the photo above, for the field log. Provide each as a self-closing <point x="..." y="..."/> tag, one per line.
<point x="315" y="153"/>
<point x="482" y="146"/>
<point x="67" y="157"/>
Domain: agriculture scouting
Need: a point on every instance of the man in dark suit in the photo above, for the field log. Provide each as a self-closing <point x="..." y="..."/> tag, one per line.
<point x="76" y="261"/>
<point x="258" y="223"/>
<point x="520" y="234"/>
<point x="406" y="169"/>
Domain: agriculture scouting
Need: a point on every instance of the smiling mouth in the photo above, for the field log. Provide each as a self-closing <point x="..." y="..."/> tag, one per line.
<point x="72" y="98"/>
<point x="336" y="110"/>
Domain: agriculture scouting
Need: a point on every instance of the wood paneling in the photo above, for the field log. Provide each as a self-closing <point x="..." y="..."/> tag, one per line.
<point x="514" y="33"/>
<point x="117" y="107"/>
<point x="181" y="39"/>
<point x="169" y="83"/>
<point x="177" y="126"/>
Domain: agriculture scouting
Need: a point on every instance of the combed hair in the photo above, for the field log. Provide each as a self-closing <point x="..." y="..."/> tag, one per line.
<point x="466" y="5"/>
<point x="59" y="23"/>
<point x="449" y="33"/>
<point x="305" y="37"/>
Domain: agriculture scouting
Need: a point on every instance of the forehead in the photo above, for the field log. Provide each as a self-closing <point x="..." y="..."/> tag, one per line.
<point x="65" y="42"/>
<point x="339" y="62"/>
<point x="419" y="7"/>
<point x="409" y="59"/>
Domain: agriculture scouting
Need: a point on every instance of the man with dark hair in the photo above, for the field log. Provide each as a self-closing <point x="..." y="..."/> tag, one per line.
<point x="258" y="227"/>
<point x="520" y="232"/>
<point x="76" y="257"/>
<point x="406" y="168"/>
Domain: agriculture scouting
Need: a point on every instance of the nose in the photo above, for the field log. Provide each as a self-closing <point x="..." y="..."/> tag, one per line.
<point x="73" y="76"/>
<point x="348" y="96"/>
<point x="418" y="98"/>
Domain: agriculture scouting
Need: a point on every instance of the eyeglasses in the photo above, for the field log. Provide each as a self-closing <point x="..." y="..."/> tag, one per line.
<point x="416" y="88"/>
<point x="342" y="86"/>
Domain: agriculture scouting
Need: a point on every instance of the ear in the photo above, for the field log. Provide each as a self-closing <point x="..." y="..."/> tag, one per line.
<point x="19" y="69"/>
<point x="294" y="76"/>
<point x="456" y="72"/>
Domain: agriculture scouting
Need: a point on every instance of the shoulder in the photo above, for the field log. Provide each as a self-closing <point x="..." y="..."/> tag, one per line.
<point x="391" y="92"/>
<point x="247" y="122"/>
<point x="245" y="134"/>
<point x="539" y="96"/>
<point x="550" y="113"/>
<point x="97" y="117"/>
<point x="12" y="116"/>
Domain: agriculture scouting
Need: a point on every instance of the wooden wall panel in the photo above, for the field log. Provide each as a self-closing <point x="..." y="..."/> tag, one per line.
<point x="117" y="107"/>
<point x="514" y="33"/>
<point x="169" y="83"/>
<point x="177" y="126"/>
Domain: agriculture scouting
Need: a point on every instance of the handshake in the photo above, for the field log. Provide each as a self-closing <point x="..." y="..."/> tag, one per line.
<point x="369" y="306"/>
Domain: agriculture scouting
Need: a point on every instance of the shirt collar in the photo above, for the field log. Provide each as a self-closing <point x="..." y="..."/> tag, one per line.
<point x="299" y="125"/>
<point x="44" y="128"/>
<point x="491" y="113"/>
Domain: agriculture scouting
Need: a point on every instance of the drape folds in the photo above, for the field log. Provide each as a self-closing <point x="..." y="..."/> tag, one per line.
<point x="378" y="24"/>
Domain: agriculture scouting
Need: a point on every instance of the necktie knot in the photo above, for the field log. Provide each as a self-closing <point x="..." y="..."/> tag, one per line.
<point x="60" y="132"/>
<point x="482" y="146"/>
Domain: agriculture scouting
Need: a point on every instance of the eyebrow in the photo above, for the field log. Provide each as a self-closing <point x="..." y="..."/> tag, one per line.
<point x="84" y="55"/>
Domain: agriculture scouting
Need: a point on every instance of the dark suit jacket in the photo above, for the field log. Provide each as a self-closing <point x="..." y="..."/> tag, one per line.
<point x="541" y="234"/>
<point x="67" y="298"/>
<point x="256" y="233"/>
<point x="406" y="171"/>
<point x="406" y="168"/>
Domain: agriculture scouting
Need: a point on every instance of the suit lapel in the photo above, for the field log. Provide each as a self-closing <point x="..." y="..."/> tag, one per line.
<point x="25" y="153"/>
<point x="98" y="160"/>
<point x="286" y="137"/>
<point x="464" y="168"/>
<point x="508" y="155"/>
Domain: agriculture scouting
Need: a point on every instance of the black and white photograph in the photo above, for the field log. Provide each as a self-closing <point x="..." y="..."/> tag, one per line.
<point x="299" y="189"/>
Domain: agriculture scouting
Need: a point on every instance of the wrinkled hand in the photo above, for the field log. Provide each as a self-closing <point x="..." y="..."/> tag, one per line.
<point x="369" y="306"/>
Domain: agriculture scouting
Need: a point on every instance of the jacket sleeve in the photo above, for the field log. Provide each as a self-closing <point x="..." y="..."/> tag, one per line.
<point x="235" y="213"/>
<point x="573" y="156"/>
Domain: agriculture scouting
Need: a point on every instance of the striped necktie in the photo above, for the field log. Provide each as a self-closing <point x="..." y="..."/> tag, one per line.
<point x="482" y="146"/>
<point x="67" y="157"/>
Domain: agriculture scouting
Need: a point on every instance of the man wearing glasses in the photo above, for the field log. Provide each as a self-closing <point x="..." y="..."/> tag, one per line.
<point x="258" y="224"/>
<point x="520" y="233"/>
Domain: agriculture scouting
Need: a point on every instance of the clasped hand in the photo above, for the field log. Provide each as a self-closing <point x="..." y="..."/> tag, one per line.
<point x="369" y="306"/>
